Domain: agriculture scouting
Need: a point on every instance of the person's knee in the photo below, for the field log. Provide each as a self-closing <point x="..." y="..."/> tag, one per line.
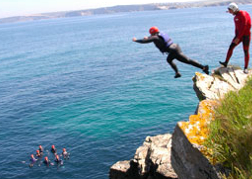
<point x="232" y="46"/>
<point x="169" y="60"/>
<point x="245" y="52"/>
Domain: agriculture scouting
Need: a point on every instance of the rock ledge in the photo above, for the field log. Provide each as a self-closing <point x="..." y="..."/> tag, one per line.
<point x="161" y="156"/>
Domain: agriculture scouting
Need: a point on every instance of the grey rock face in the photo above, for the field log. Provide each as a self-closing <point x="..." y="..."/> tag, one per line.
<point x="219" y="83"/>
<point x="161" y="156"/>
<point x="152" y="160"/>
<point x="187" y="161"/>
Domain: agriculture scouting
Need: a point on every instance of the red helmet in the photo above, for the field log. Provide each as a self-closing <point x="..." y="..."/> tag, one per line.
<point x="153" y="30"/>
<point x="46" y="158"/>
<point x="53" y="146"/>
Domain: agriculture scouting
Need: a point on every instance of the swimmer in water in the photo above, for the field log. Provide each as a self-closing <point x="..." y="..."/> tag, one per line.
<point x="58" y="160"/>
<point x="38" y="153"/>
<point x="33" y="160"/>
<point x="41" y="150"/>
<point x="47" y="161"/>
<point x="53" y="150"/>
<point x="65" y="154"/>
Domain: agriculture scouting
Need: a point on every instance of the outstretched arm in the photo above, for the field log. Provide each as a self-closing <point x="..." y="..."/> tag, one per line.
<point x="145" y="39"/>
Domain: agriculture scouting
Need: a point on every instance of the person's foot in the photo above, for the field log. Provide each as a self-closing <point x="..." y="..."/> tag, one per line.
<point x="223" y="63"/>
<point x="205" y="69"/>
<point x="177" y="75"/>
<point x="246" y="71"/>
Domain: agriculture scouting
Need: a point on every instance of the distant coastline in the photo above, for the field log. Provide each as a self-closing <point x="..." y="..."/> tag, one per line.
<point x="121" y="8"/>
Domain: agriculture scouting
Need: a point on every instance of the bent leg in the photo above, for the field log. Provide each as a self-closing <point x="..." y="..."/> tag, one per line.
<point x="177" y="53"/>
<point x="182" y="58"/>
<point x="246" y="42"/>
<point x="170" y="59"/>
<point x="230" y="50"/>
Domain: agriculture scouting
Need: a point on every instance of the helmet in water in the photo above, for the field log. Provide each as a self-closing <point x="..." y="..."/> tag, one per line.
<point x="37" y="151"/>
<point x="153" y="30"/>
<point x="233" y="6"/>
<point x="46" y="158"/>
<point x="53" y="147"/>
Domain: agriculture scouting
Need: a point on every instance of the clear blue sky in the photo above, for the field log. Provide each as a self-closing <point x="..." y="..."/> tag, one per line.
<point x="27" y="7"/>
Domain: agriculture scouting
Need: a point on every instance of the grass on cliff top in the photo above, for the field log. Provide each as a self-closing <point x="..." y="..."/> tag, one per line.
<point x="230" y="135"/>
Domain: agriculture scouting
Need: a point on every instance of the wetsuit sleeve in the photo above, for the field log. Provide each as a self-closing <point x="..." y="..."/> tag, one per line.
<point x="148" y="40"/>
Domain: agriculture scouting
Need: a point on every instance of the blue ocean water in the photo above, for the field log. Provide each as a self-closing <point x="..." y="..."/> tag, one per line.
<point x="82" y="84"/>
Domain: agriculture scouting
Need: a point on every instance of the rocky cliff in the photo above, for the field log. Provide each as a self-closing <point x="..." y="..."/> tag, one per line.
<point x="182" y="155"/>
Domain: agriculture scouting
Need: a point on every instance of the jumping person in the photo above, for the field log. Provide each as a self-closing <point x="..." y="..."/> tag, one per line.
<point x="165" y="44"/>
<point x="242" y="22"/>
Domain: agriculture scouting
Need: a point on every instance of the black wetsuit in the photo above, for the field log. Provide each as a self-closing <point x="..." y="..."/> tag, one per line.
<point x="173" y="49"/>
<point x="46" y="162"/>
<point x="58" y="161"/>
<point x="54" y="151"/>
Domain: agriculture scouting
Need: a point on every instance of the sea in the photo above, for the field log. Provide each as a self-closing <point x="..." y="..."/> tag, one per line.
<point x="82" y="84"/>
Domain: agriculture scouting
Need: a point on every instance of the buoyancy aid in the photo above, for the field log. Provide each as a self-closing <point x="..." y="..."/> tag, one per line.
<point x="166" y="38"/>
<point x="167" y="41"/>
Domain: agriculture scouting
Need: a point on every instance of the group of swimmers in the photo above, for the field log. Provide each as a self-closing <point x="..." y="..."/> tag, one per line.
<point x="57" y="159"/>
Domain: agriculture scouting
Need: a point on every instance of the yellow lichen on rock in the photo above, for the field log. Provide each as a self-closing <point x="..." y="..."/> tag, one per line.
<point x="200" y="76"/>
<point x="196" y="129"/>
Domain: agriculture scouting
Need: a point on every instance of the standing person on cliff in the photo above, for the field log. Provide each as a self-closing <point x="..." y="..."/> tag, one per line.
<point x="242" y="22"/>
<point x="165" y="44"/>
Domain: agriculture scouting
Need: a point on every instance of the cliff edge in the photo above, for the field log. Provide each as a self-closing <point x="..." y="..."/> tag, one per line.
<point x="182" y="155"/>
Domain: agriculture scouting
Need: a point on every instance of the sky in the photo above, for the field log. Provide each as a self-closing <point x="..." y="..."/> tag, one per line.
<point x="10" y="8"/>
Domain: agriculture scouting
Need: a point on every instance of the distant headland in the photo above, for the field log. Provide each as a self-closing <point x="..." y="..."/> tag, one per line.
<point x="121" y="8"/>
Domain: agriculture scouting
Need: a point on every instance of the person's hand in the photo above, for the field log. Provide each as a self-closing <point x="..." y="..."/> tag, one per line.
<point x="145" y="37"/>
<point x="134" y="39"/>
<point x="236" y="40"/>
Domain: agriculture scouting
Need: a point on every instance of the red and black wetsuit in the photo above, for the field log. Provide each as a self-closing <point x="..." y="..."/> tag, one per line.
<point x="242" y="22"/>
<point x="165" y="44"/>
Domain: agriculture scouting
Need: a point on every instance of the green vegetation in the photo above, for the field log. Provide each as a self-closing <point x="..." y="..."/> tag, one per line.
<point x="230" y="138"/>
